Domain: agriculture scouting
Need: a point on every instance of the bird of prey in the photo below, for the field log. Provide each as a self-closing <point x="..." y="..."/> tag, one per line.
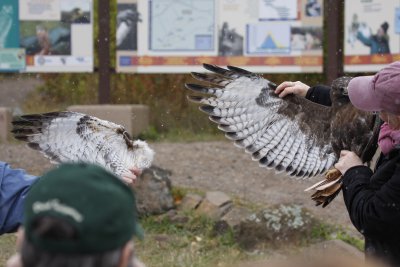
<point x="74" y="137"/>
<point x="292" y="135"/>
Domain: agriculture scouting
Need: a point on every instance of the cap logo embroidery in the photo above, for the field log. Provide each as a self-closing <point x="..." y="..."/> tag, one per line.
<point x="54" y="204"/>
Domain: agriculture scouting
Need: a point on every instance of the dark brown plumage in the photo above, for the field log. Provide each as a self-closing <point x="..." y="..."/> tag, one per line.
<point x="293" y="135"/>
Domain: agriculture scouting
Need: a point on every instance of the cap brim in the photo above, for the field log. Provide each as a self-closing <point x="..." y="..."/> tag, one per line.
<point x="362" y="94"/>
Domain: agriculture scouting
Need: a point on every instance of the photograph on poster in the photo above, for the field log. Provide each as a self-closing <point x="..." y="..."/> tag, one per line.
<point x="127" y="20"/>
<point x="378" y="42"/>
<point x="74" y="11"/>
<point x="306" y="38"/>
<point x="9" y="31"/>
<point x="45" y="37"/>
<point x="370" y="27"/>
<point x="230" y="43"/>
<point x="6" y="21"/>
<point x="313" y="8"/>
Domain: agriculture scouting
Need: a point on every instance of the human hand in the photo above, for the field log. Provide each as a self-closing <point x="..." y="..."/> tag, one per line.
<point x="131" y="177"/>
<point x="297" y="88"/>
<point x="347" y="160"/>
<point x="14" y="261"/>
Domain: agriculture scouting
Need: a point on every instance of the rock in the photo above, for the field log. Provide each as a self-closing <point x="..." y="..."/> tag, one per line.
<point x="235" y="216"/>
<point x="174" y="217"/>
<point x="153" y="191"/>
<point x="190" y="202"/>
<point x="215" y="205"/>
<point x="218" y="198"/>
<point x="333" y="247"/>
<point x="276" y="226"/>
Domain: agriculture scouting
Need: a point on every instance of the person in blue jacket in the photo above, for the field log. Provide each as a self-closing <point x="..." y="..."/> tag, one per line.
<point x="14" y="186"/>
<point x="379" y="42"/>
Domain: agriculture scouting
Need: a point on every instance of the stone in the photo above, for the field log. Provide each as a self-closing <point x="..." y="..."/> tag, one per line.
<point x="5" y="124"/>
<point x="275" y="226"/>
<point x="235" y="216"/>
<point x="134" y="118"/>
<point x="190" y="202"/>
<point x="217" y="198"/>
<point x="332" y="247"/>
<point x="215" y="205"/>
<point x="153" y="192"/>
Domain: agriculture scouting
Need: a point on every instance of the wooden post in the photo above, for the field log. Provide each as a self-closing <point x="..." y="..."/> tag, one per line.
<point x="334" y="13"/>
<point x="104" y="51"/>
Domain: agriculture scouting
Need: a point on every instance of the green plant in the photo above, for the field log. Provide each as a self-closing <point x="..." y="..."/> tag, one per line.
<point x="324" y="231"/>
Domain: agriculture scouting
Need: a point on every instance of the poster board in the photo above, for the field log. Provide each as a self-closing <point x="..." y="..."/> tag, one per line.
<point x="46" y="35"/>
<point x="371" y="34"/>
<point x="169" y="36"/>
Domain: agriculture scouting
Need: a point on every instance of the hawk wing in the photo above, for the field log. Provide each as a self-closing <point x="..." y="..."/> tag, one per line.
<point x="290" y="134"/>
<point x="72" y="137"/>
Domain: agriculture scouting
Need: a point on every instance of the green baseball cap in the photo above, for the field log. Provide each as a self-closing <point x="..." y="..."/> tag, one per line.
<point x="92" y="200"/>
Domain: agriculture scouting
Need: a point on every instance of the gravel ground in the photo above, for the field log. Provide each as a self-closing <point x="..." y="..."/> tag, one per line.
<point x="211" y="166"/>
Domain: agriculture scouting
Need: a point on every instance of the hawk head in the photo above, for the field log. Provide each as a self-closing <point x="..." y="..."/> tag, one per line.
<point x="339" y="93"/>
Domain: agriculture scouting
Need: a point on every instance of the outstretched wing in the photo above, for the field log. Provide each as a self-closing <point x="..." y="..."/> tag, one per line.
<point x="290" y="134"/>
<point x="71" y="137"/>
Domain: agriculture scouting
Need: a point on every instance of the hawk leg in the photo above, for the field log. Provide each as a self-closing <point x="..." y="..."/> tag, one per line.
<point x="327" y="189"/>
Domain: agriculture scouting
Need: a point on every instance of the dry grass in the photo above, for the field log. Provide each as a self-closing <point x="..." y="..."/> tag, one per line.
<point x="7" y="247"/>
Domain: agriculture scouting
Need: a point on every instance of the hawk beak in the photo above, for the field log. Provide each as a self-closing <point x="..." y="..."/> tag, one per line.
<point x="345" y="91"/>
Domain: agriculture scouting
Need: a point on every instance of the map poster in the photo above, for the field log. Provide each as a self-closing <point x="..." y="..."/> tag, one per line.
<point x="177" y="36"/>
<point x="372" y="35"/>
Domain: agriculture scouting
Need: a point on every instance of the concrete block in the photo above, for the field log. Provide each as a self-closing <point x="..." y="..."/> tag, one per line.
<point x="5" y="123"/>
<point x="135" y="118"/>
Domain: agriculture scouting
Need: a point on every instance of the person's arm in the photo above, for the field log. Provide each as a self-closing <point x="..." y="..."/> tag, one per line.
<point x="14" y="185"/>
<point x="365" y="41"/>
<point x="319" y="94"/>
<point x="373" y="212"/>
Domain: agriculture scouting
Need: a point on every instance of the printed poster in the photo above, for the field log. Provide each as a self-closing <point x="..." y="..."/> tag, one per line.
<point x="168" y="36"/>
<point x="372" y="37"/>
<point x="46" y="35"/>
<point x="11" y="57"/>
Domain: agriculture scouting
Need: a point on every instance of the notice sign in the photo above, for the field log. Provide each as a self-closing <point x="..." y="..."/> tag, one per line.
<point x="372" y="34"/>
<point x="49" y="35"/>
<point x="169" y="36"/>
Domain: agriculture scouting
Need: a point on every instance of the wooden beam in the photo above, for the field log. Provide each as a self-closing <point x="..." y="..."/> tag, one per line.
<point x="334" y="13"/>
<point x="104" y="51"/>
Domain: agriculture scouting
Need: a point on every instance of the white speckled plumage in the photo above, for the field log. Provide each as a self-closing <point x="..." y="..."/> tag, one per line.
<point x="75" y="137"/>
<point x="248" y="112"/>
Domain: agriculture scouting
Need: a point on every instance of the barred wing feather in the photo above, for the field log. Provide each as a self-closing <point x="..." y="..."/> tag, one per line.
<point x="73" y="137"/>
<point x="290" y="134"/>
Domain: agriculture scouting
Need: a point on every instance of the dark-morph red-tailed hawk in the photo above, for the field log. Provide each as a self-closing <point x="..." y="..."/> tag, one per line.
<point x="293" y="134"/>
<point x="73" y="137"/>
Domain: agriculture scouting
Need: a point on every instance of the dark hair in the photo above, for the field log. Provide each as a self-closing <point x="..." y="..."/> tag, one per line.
<point x="385" y="26"/>
<point x="55" y="228"/>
